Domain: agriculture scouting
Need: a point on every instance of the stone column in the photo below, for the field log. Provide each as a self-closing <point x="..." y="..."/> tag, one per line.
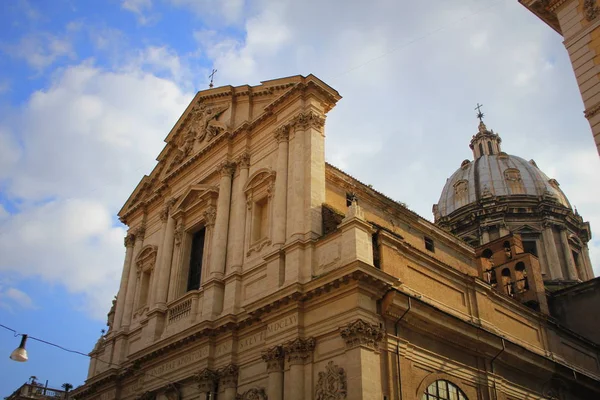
<point x="274" y="359"/>
<point x="281" y="182"/>
<point x="228" y="378"/>
<point x="129" y="242"/>
<point x="564" y="239"/>
<point x="551" y="252"/>
<point x="587" y="262"/>
<point x="207" y="383"/>
<point x="131" y="283"/>
<point x="485" y="234"/>
<point x="298" y="351"/>
<point x="219" y="249"/>
<point x="177" y="267"/>
<point x="238" y="225"/>
<point x="164" y="266"/>
<point x="362" y="355"/>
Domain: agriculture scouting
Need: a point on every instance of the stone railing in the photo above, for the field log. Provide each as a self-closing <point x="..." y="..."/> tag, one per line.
<point x="183" y="311"/>
<point x="180" y="310"/>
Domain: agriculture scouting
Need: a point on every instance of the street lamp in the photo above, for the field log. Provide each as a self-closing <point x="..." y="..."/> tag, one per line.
<point x="20" y="354"/>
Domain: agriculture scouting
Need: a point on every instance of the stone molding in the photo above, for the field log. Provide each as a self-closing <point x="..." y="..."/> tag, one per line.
<point x="363" y="334"/>
<point x="228" y="376"/>
<point x="257" y="393"/>
<point x="140" y="232"/>
<point x="274" y="358"/>
<point x="299" y="349"/>
<point x="332" y="384"/>
<point x="226" y="168"/>
<point x="591" y="111"/>
<point x="207" y="380"/>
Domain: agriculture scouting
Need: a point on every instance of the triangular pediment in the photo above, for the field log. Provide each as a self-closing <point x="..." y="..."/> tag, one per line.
<point x="526" y="229"/>
<point x="194" y="196"/>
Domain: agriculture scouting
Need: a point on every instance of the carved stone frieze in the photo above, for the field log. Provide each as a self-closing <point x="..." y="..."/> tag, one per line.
<point x="299" y="350"/>
<point x="332" y="384"/>
<point x="228" y="376"/>
<point x="307" y="120"/>
<point x="179" y="231"/>
<point x="226" y="168"/>
<point x="361" y="333"/>
<point x="258" y="393"/>
<point x="207" y="380"/>
<point x="210" y="215"/>
<point x="590" y="9"/>
<point x="204" y="122"/>
<point x="274" y="358"/>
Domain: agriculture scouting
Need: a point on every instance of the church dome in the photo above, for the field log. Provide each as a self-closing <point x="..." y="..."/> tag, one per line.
<point x="494" y="173"/>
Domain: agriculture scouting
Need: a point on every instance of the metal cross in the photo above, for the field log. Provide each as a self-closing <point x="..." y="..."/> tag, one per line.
<point x="479" y="113"/>
<point x="211" y="76"/>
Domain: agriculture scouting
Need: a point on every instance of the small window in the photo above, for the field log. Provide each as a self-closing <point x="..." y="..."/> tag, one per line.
<point x="429" y="244"/>
<point x="260" y="216"/>
<point x="443" y="390"/>
<point x="195" y="271"/>
<point x="491" y="150"/>
<point x="530" y="247"/>
<point x="480" y="149"/>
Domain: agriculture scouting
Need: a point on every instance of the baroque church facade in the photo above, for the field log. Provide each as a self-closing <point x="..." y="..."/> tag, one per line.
<point x="255" y="270"/>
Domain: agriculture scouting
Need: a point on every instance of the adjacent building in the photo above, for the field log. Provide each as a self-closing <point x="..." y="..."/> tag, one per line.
<point x="577" y="22"/>
<point x="255" y="270"/>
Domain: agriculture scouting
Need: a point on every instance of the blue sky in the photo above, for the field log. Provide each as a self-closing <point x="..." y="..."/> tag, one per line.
<point x="89" y="90"/>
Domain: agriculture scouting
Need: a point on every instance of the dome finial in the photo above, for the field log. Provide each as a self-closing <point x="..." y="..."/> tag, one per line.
<point x="480" y="115"/>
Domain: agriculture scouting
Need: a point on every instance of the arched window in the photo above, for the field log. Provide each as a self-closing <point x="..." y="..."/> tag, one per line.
<point x="490" y="147"/>
<point x="521" y="273"/>
<point x="443" y="390"/>
<point x="507" y="282"/>
<point x="480" y="149"/>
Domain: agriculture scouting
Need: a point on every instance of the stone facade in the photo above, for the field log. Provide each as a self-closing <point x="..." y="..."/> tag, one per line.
<point x="577" y="21"/>
<point x="312" y="285"/>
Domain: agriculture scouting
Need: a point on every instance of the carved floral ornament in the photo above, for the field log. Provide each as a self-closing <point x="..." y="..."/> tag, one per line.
<point x="590" y="9"/>
<point x="299" y="349"/>
<point x="207" y="380"/>
<point x="129" y="240"/>
<point x="361" y="333"/>
<point x="332" y="384"/>
<point x="252" y="394"/>
<point x="274" y="358"/>
<point x="228" y="376"/>
<point x="243" y="160"/>
<point x="226" y="168"/>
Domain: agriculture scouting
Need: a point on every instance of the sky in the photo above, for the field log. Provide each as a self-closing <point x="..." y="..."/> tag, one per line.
<point x="90" y="89"/>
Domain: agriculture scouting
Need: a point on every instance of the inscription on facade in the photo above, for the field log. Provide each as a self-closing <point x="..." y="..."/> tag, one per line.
<point x="251" y="341"/>
<point x="177" y="363"/>
<point x="108" y="395"/>
<point x="223" y="348"/>
<point x="133" y="388"/>
<point x="283" y="323"/>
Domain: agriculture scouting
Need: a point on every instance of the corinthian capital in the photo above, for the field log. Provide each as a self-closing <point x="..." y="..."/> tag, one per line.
<point x="282" y="134"/>
<point x="244" y="160"/>
<point x="228" y="376"/>
<point x="207" y="380"/>
<point x="139" y="232"/>
<point x="226" y="168"/>
<point x="274" y="358"/>
<point x="361" y="333"/>
<point x="298" y="350"/>
<point x="308" y="119"/>
<point x="129" y="240"/>
<point x="210" y="215"/>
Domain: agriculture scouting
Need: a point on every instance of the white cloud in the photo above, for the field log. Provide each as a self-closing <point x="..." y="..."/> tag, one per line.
<point x="41" y="50"/>
<point x="141" y="8"/>
<point x="227" y="11"/>
<point x="86" y="141"/>
<point x="13" y="299"/>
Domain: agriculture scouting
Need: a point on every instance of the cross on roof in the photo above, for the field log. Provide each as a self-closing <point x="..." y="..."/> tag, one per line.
<point x="479" y="113"/>
<point x="211" y="76"/>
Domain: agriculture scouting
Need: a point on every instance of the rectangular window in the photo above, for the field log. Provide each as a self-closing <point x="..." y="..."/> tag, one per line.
<point x="195" y="271"/>
<point x="145" y="286"/>
<point x="529" y="246"/>
<point x="429" y="244"/>
<point x="260" y="224"/>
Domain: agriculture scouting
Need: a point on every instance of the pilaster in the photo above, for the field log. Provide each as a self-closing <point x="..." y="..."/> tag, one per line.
<point x="357" y="243"/>
<point x="129" y="243"/>
<point x="564" y="239"/>
<point x="132" y="281"/>
<point x="551" y="252"/>
<point x="297" y="352"/>
<point x="228" y="378"/>
<point x="281" y="182"/>
<point x="164" y="268"/>
<point x="274" y="357"/>
<point x="219" y="248"/>
<point x="362" y="354"/>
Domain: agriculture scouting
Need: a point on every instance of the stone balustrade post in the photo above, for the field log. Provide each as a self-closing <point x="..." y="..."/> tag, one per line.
<point x="274" y="357"/>
<point x="129" y="242"/>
